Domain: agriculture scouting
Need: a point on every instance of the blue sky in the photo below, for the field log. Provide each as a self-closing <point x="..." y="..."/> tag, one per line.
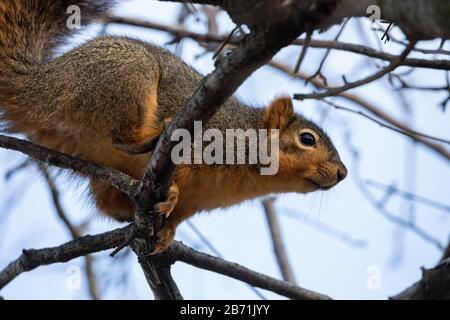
<point x="320" y="261"/>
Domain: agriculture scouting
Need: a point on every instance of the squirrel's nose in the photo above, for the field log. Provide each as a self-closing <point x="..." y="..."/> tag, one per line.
<point x="341" y="173"/>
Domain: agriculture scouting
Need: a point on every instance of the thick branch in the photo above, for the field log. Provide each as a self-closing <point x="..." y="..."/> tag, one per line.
<point x="31" y="259"/>
<point x="158" y="275"/>
<point x="434" y="285"/>
<point x="185" y="254"/>
<point x="419" y="19"/>
<point x="116" y="178"/>
<point x="325" y="44"/>
<point x="209" y="2"/>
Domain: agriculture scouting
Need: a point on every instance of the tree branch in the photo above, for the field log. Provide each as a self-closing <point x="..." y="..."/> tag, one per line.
<point x="434" y="285"/>
<point x="31" y="259"/>
<point x="277" y="240"/>
<point x="121" y="181"/>
<point x="180" y="33"/>
<point x="74" y="231"/>
<point x="157" y="273"/>
<point x="411" y="133"/>
<point x="185" y="254"/>
<point x="351" y="85"/>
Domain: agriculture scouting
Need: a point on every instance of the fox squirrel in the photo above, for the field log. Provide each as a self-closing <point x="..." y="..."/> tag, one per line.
<point x="113" y="94"/>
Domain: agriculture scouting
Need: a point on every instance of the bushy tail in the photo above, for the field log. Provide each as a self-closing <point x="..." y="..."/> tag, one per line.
<point x="30" y="30"/>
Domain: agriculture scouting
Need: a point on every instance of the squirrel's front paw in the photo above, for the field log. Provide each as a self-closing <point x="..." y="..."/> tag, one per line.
<point x="165" y="237"/>
<point x="165" y="208"/>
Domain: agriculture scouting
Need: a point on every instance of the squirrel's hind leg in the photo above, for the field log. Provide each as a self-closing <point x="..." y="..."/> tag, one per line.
<point x="112" y="201"/>
<point x="142" y="135"/>
<point x="146" y="146"/>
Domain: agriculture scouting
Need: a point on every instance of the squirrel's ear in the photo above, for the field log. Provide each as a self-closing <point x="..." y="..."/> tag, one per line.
<point x="278" y="113"/>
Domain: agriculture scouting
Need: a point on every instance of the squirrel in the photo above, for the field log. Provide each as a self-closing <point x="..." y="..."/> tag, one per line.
<point x="111" y="95"/>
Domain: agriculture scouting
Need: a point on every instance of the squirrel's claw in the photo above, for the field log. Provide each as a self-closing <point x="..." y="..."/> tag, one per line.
<point x="167" y="233"/>
<point x="165" y="237"/>
<point x="165" y="208"/>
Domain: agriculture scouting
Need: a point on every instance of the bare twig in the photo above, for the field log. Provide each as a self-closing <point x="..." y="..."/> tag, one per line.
<point x="411" y="133"/>
<point x="11" y="172"/>
<point x="325" y="57"/>
<point x="304" y="51"/>
<point x="409" y="196"/>
<point x="74" y="231"/>
<point x="277" y="241"/>
<point x="323" y="228"/>
<point x="380" y="205"/>
<point x="157" y="273"/>
<point x="227" y="40"/>
<point x="351" y="85"/>
<point x="416" y="49"/>
<point x="233" y="270"/>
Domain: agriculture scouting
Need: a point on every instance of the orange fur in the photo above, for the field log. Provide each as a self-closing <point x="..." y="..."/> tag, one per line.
<point x="278" y="113"/>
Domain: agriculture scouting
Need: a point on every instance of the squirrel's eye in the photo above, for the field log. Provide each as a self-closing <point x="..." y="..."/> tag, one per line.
<point x="307" y="139"/>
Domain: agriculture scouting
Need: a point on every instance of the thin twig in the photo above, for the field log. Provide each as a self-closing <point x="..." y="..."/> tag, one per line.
<point x="323" y="228"/>
<point x="411" y="133"/>
<point x="227" y="40"/>
<point x="303" y="53"/>
<point x="380" y="205"/>
<point x="73" y="230"/>
<point x="325" y="57"/>
<point x="409" y="196"/>
<point x="351" y="85"/>
<point x="277" y="241"/>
